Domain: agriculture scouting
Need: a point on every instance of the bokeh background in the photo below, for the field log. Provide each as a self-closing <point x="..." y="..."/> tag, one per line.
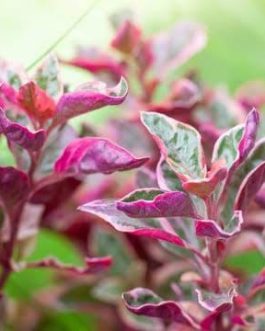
<point x="235" y="54"/>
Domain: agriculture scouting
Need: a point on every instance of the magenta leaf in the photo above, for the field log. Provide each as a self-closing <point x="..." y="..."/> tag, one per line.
<point x="151" y="228"/>
<point x="209" y="228"/>
<point x="92" y="265"/>
<point x="14" y="187"/>
<point x="20" y="135"/>
<point x="89" y="97"/>
<point x="250" y="186"/>
<point x="97" y="62"/>
<point x="95" y="155"/>
<point x="143" y="301"/>
<point x="147" y="203"/>
<point x="216" y="302"/>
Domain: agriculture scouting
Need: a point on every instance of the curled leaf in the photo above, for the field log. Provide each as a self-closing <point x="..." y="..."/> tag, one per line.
<point x="216" y="302"/>
<point x="209" y="228"/>
<point x="89" y="97"/>
<point x="95" y="155"/>
<point x="142" y="301"/>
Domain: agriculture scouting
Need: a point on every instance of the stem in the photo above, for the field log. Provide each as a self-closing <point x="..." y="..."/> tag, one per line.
<point x="6" y="261"/>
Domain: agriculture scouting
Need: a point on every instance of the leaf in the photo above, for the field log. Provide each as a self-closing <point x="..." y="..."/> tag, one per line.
<point x="14" y="187"/>
<point x="56" y="142"/>
<point x="250" y="187"/>
<point x="148" y="203"/>
<point x="216" y="302"/>
<point x="26" y="283"/>
<point x="166" y="177"/>
<point x="48" y="77"/>
<point x="176" y="46"/>
<point x="179" y="143"/>
<point x="141" y="227"/>
<point x="127" y="37"/>
<point x="89" y="97"/>
<point x="97" y="62"/>
<point x="142" y="301"/>
<point x="211" y="229"/>
<point x="95" y="155"/>
<point x="256" y="157"/>
<point x="20" y="135"/>
<point x="37" y="104"/>
<point x="226" y="146"/>
<point x="205" y="187"/>
<point x="235" y="146"/>
<point x="92" y="265"/>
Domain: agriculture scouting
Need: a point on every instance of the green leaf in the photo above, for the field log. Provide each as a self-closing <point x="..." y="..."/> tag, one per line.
<point x="256" y="157"/>
<point x="226" y="147"/>
<point x="48" y="76"/>
<point x="179" y="143"/>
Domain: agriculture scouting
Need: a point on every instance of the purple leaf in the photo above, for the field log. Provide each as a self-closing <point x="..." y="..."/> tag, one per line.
<point x="95" y="155"/>
<point x="216" y="302"/>
<point x="14" y="186"/>
<point x="209" y="228"/>
<point x="92" y="265"/>
<point x="89" y="97"/>
<point x="155" y="203"/>
<point x="250" y="186"/>
<point x="141" y="227"/>
<point x="20" y="135"/>
<point x="142" y="301"/>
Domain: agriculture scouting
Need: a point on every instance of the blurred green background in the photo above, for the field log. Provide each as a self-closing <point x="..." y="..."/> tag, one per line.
<point x="234" y="55"/>
<point x="236" y="30"/>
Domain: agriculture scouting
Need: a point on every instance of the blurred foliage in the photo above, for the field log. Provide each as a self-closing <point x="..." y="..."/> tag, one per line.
<point x="235" y="54"/>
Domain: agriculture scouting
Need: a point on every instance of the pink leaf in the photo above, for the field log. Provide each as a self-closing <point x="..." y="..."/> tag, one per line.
<point x="89" y="97"/>
<point x="139" y="227"/>
<point x="20" y="135"/>
<point x="209" y="228"/>
<point x="161" y="204"/>
<point x="95" y="155"/>
<point x="142" y="301"/>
